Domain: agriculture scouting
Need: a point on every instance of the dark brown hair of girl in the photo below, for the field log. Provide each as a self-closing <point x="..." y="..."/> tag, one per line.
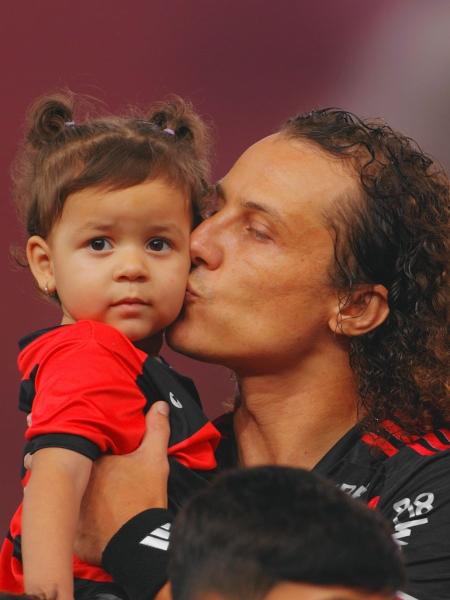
<point x="62" y="155"/>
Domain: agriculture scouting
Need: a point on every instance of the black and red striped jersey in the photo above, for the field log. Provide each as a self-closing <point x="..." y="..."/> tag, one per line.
<point x="407" y="478"/>
<point x="88" y="388"/>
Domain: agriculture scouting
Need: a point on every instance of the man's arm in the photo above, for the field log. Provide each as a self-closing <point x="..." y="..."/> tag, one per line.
<point x="116" y="524"/>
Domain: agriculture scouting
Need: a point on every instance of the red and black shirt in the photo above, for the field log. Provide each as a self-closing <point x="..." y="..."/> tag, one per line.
<point x="88" y="388"/>
<point x="407" y="479"/>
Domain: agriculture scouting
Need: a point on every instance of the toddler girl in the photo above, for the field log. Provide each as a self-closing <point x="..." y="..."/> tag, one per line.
<point x="109" y="205"/>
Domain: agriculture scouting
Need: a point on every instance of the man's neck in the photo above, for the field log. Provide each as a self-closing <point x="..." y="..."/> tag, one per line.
<point x="293" y="418"/>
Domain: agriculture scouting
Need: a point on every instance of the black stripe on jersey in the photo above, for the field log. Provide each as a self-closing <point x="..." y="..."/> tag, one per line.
<point x="442" y="437"/>
<point x="68" y="441"/>
<point x="415" y="440"/>
<point x="160" y="382"/>
<point x="17" y="545"/>
<point x="27" y="339"/>
<point x="27" y="391"/>
<point x="428" y="445"/>
<point x="424" y="444"/>
<point x="184" y="482"/>
<point x="391" y="438"/>
<point x="445" y="433"/>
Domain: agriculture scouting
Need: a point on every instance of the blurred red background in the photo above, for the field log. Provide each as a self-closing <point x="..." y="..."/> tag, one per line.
<point x="246" y="65"/>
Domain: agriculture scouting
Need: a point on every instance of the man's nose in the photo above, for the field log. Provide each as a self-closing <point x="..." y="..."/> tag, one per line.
<point x="131" y="265"/>
<point x="206" y="247"/>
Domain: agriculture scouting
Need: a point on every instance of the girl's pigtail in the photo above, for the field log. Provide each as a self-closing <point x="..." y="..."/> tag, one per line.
<point x="176" y="118"/>
<point x="49" y="118"/>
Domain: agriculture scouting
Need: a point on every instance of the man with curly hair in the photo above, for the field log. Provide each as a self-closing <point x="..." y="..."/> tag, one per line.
<point x="320" y="279"/>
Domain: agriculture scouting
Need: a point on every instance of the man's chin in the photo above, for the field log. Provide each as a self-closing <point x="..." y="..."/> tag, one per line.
<point x="177" y="336"/>
<point x="180" y="338"/>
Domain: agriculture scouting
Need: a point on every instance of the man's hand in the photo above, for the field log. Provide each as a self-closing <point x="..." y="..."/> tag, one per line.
<point x="123" y="486"/>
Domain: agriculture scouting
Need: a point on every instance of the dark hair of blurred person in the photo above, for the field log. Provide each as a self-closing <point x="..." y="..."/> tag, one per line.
<point x="281" y="533"/>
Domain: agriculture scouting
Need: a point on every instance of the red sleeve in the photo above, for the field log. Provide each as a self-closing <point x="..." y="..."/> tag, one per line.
<point x="86" y="388"/>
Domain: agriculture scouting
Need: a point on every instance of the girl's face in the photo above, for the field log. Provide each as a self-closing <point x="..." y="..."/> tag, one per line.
<point x="119" y="256"/>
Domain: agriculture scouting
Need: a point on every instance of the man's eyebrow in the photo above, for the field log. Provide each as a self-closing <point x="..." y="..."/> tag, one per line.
<point x="263" y="208"/>
<point x="252" y="205"/>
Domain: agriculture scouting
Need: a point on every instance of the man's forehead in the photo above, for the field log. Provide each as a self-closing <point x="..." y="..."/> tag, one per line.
<point x="280" y="166"/>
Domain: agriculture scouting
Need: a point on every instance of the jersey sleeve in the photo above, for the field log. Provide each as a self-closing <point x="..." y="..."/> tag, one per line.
<point x="87" y="399"/>
<point x="417" y="501"/>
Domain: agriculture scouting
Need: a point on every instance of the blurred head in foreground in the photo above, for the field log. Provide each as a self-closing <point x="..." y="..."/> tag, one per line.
<point x="278" y="533"/>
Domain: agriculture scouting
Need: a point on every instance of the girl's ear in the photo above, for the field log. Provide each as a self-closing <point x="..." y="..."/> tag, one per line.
<point x="363" y="310"/>
<point x="41" y="265"/>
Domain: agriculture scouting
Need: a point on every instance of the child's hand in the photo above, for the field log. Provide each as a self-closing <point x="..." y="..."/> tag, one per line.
<point x="123" y="486"/>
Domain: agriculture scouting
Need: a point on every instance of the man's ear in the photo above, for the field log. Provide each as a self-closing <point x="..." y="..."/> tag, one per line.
<point x="41" y="265"/>
<point x="361" y="311"/>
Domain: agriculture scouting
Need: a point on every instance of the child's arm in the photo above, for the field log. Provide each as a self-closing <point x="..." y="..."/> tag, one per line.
<point x="51" y="507"/>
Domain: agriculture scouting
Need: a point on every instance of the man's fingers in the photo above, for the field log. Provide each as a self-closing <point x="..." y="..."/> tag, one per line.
<point x="123" y="486"/>
<point x="156" y="438"/>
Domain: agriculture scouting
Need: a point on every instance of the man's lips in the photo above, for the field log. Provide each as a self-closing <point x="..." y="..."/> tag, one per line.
<point x="191" y="293"/>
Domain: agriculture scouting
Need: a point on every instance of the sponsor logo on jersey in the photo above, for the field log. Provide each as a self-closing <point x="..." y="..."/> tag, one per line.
<point x="410" y="514"/>
<point x="174" y="400"/>
<point x="356" y="491"/>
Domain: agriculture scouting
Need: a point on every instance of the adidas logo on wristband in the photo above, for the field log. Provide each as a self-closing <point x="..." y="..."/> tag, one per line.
<point x="158" y="538"/>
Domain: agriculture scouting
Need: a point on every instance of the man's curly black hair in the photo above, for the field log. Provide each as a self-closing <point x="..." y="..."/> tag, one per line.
<point x="395" y="234"/>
